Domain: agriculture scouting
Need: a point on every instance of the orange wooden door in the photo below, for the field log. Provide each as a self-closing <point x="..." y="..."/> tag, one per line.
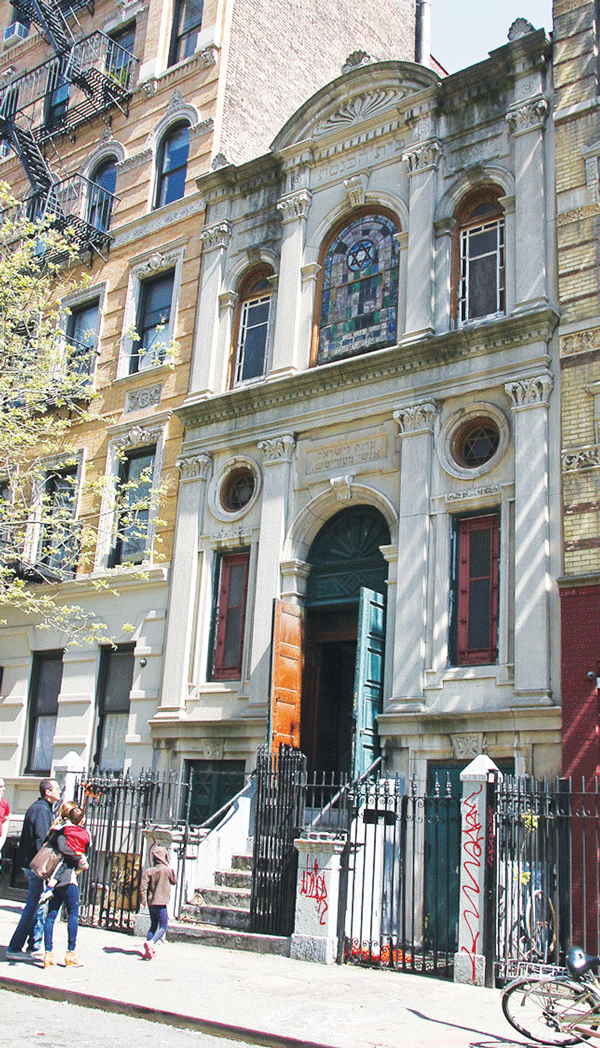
<point x="286" y="676"/>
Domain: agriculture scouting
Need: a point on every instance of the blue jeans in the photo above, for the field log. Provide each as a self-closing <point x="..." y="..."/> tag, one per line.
<point x="70" y="896"/>
<point x="31" y="924"/>
<point x="159" y="918"/>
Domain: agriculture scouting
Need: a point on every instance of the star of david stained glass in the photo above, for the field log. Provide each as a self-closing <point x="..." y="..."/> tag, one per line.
<point x="360" y="289"/>
<point x="476" y="442"/>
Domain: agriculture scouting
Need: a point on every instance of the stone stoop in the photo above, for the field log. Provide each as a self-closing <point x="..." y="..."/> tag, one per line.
<point x="220" y="916"/>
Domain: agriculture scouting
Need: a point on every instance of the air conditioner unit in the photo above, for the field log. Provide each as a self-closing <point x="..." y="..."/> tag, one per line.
<point x="15" y="32"/>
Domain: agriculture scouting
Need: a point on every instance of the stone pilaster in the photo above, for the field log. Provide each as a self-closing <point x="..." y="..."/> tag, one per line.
<point x="194" y="472"/>
<point x="277" y="452"/>
<point x="529" y="399"/>
<point x="293" y="208"/>
<point x="415" y="423"/>
<point x="422" y="163"/>
<point x="205" y="356"/>
<point x="526" y="121"/>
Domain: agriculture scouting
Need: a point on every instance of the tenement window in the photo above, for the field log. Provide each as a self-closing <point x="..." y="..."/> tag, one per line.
<point x="172" y="165"/>
<point x="101" y="196"/>
<point x="152" y="325"/>
<point x="134" y="502"/>
<point x="46" y="680"/>
<point x="187" y="21"/>
<point x="114" y="687"/>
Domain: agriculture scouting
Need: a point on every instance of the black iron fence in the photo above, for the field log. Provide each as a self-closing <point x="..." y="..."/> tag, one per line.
<point x="548" y="878"/>
<point x="402" y="882"/>
<point x="119" y="809"/>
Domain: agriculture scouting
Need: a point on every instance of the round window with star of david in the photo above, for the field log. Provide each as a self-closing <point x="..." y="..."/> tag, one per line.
<point x="472" y="441"/>
<point x="476" y="443"/>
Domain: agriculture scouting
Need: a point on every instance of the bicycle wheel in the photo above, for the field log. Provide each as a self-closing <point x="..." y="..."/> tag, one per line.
<point x="540" y="922"/>
<point x="543" y="1009"/>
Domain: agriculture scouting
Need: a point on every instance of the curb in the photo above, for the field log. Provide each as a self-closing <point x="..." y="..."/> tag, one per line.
<point x="142" y="1011"/>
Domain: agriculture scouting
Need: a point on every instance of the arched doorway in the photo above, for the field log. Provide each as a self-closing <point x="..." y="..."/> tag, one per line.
<point x="342" y="675"/>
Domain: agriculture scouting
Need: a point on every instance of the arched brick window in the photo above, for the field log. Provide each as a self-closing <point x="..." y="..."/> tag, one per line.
<point x="357" y="295"/>
<point x="479" y="284"/>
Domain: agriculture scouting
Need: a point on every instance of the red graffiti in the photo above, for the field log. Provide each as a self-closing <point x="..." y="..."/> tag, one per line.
<point x="472" y="838"/>
<point x="490" y="839"/>
<point x="313" y="887"/>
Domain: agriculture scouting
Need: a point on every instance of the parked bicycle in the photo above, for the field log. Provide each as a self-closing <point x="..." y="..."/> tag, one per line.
<point x="558" y="1009"/>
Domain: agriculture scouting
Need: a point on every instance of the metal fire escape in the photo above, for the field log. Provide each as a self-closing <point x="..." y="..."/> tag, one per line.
<point x="85" y="78"/>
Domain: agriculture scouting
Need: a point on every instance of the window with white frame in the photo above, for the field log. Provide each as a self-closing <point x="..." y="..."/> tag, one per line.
<point x="171" y="166"/>
<point x="115" y="681"/>
<point x="187" y="22"/>
<point x="82" y="337"/>
<point x="252" y="322"/>
<point x="481" y="262"/>
<point x="130" y="499"/>
<point x="53" y="534"/>
<point x="150" y="319"/>
<point x="46" y="680"/>
<point x="134" y="499"/>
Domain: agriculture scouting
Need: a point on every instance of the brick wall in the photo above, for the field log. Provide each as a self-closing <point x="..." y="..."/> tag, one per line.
<point x="272" y="68"/>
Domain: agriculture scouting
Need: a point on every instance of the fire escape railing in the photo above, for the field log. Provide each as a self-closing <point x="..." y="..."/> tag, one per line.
<point x="74" y="207"/>
<point x="67" y="90"/>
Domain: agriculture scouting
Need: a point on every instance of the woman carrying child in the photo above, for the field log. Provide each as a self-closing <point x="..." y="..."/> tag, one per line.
<point x="71" y="840"/>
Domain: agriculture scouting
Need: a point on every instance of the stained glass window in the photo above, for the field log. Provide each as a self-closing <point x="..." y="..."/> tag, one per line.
<point x="360" y="290"/>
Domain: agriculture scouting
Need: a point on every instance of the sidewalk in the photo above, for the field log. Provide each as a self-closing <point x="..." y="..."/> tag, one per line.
<point x="261" y="999"/>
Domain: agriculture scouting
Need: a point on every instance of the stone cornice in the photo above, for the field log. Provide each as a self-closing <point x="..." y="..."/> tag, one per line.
<point x="470" y="342"/>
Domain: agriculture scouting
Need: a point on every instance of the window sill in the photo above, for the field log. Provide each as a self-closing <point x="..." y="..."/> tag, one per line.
<point x="160" y="369"/>
<point x="500" y="673"/>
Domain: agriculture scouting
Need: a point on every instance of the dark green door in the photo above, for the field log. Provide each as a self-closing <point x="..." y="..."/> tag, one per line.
<point x="442" y="856"/>
<point x="368" y="679"/>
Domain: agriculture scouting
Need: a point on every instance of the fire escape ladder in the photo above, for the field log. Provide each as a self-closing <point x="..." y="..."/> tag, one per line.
<point x="49" y="17"/>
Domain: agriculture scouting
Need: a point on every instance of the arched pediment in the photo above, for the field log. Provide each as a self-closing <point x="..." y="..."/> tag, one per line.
<point x="354" y="99"/>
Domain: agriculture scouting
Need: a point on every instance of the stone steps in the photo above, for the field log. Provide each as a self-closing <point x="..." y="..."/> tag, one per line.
<point x="227" y="938"/>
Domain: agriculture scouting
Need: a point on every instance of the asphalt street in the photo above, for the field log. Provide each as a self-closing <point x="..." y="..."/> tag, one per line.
<point x="32" y="1022"/>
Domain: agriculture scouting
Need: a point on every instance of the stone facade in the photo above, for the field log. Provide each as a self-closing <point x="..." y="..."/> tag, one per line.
<point x="137" y="409"/>
<point x="578" y="229"/>
<point x="371" y="427"/>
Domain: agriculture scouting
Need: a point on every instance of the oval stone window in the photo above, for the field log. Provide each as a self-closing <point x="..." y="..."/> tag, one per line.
<point x="476" y="442"/>
<point x="237" y="489"/>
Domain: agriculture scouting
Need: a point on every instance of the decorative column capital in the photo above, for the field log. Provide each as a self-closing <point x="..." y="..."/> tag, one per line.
<point x="422" y="157"/>
<point x="216" y="236"/>
<point x="417" y="418"/>
<point x="529" y="116"/>
<point x="194" y="467"/>
<point x="277" y="449"/>
<point x="228" y="300"/>
<point x="294" y="205"/>
<point x="530" y="392"/>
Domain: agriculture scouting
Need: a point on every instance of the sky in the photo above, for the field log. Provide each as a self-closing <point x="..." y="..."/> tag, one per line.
<point x="464" y="31"/>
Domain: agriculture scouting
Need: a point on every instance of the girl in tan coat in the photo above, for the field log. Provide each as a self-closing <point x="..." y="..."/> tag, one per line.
<point x="156" y="891"/>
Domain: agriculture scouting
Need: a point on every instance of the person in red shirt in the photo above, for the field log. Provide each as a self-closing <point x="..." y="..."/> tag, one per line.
<point x="4" y="815"/>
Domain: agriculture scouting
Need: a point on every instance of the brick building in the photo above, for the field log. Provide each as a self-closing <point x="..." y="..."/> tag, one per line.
<point x="578" y="230"/>
<point x="110" y="112"/>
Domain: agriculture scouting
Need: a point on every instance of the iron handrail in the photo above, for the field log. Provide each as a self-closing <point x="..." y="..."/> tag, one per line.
<point x="346" y="789"/>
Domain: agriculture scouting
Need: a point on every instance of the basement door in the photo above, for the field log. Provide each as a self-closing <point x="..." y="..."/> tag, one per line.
<point x="327" y="683"/>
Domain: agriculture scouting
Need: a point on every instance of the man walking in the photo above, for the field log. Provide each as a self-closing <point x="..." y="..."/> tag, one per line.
<point x="37" y="822"/>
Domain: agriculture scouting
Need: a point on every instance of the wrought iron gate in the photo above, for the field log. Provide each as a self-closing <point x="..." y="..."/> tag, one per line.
<point x="402" y="895"/>
<point x="117" y="810"/>
<point x="280" y="799"/>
